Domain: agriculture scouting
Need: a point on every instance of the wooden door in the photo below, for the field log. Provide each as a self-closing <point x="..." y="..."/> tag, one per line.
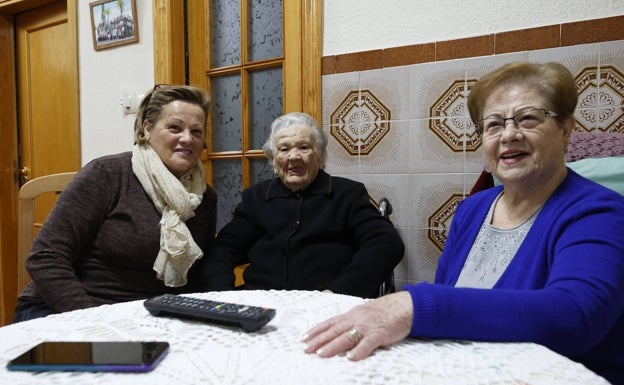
<point x="250" y="55"/>
<point x="47" y="87"/>
<point x="41" y="121"/>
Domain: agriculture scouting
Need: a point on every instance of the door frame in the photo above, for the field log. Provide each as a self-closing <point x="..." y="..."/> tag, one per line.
<point x="8" y="162"/>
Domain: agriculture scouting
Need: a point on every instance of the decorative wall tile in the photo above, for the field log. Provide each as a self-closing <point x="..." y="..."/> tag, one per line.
<point x="612" y="53"/>
<point x="423" y="257"/>
<point x="338" y="160"/>
<point x="394" y="187"/>
<point x="575" y="58"/>
<point x="610" y="86"/>
<point x="611" y="65"/>
<point x="391" y="154"/>
<point x="599" y="76"/>
<point x="479" y="66"/>
<point x="473" y="160"/>
<point x="448" y="118"/>
<point x="585" y="119"/>
<point x="429" y="154"/>
<point x="588" y="81"/>
<point x="429" y="82"/>
<point x="363" y="124"/>
<point x="601" y="97"/>
<point x="360" y="122"/>
<point x="390" y="88"/>
<point x="335" y="89"/>
<point x="428" y="194"/>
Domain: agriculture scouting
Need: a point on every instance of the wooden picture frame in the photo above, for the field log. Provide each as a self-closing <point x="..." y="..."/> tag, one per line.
<point x="113" y="23"/>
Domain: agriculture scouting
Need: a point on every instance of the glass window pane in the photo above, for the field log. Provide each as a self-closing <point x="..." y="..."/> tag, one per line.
<point x="265" y="29"/>
<point x="227" y="176"/>
<point x="224" y="33"/>
<point x="261" y="170"/>
<point x="226" y="110"/>
<point x="265" y="104"/>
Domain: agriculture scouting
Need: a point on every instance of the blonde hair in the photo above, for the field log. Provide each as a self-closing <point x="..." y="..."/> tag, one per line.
<point x="154" y="101"/>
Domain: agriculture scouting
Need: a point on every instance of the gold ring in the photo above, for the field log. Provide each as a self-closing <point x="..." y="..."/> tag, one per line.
<point x="355" y="335"/>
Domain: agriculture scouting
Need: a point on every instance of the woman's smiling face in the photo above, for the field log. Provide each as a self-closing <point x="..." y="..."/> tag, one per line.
<point x="178" y="136"/>
<point x="296" y="162"/>
<point x="530" y="157"/>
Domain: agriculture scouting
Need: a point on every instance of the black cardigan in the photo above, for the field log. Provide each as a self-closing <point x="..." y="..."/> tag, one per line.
<point x="328" y="236"/>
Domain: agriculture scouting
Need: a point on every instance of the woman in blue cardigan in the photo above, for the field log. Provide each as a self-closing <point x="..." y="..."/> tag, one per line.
<point x="538" y="259"/>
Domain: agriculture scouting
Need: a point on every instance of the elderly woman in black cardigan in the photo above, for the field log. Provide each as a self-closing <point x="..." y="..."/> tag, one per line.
<point x="305" y="229"/>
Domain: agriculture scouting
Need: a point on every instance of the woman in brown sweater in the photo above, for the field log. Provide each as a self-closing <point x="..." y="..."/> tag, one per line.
<point x="131" y="225"/>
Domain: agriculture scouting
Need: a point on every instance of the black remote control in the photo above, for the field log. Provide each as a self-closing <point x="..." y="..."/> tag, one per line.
<point x="249" y="318"/>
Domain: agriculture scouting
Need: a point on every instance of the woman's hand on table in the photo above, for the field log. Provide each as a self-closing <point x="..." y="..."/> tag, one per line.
<point x="361" y="330"/>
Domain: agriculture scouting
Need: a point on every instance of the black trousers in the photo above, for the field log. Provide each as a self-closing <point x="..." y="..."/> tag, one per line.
<point x="29" y="308"/>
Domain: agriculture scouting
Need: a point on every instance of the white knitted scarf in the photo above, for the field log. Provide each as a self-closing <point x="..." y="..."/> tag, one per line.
<point x="176" y="199"/>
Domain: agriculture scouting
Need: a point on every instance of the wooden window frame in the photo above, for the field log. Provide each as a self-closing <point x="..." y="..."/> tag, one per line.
<point x="302" y="44"/>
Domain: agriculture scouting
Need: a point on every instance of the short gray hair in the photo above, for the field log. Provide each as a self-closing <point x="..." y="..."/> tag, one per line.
<point x="297" y="119"/>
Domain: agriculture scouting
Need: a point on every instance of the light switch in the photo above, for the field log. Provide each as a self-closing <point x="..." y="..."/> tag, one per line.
<point x="130" y="102"/>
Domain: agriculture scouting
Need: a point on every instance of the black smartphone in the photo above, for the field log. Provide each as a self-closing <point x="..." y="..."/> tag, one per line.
<point x="135" y="356"/>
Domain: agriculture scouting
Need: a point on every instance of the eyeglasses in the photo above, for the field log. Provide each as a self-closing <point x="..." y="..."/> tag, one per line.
<point x="493" y="126"/>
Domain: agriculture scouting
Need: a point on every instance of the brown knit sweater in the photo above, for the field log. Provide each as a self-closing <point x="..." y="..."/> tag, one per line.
<point x="100" y="241"/>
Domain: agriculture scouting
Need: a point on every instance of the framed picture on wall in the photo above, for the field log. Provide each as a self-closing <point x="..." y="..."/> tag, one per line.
<point x="113" y="23"/>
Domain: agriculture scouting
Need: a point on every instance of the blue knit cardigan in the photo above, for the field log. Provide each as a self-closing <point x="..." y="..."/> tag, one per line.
<point x="564" y="288"/>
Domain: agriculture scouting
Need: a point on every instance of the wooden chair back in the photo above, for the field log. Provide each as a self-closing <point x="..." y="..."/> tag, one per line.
<point x="26" y="216"/>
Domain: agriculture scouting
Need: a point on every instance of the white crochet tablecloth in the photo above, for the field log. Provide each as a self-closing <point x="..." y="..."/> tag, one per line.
<point x="208" y="354"/>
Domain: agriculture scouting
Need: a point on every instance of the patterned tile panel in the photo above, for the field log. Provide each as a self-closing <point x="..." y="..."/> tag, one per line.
<point x="601" y="97"/>
<point x="360" y="122"/>
<point x="454" y="129"/>
<point x="440" y="220"/>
